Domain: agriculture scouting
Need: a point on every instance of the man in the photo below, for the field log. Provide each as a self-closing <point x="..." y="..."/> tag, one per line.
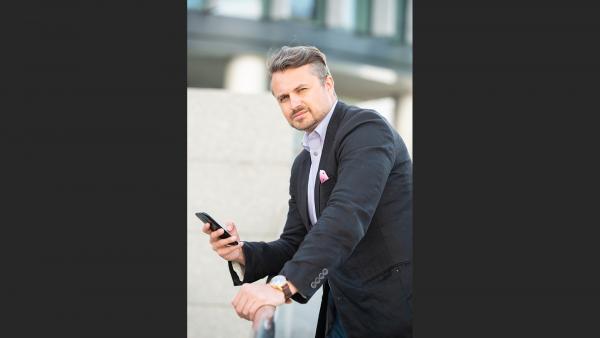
<point x="349" y="224"/>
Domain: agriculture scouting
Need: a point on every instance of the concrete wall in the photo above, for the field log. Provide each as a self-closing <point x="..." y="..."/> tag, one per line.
<point x="240" y="151"/>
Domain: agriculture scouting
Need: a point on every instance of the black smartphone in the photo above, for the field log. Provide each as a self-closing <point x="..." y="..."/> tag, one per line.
<point x="214" y="226"/>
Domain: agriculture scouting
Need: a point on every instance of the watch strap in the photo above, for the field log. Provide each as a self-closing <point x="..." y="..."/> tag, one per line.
<point x="287" y="293"/>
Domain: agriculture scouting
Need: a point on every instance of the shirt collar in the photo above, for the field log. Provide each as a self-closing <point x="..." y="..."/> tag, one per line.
<point x="320" y="130"/>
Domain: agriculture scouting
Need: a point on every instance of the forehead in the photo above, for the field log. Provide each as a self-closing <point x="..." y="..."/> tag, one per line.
<point x="289" y="79"/>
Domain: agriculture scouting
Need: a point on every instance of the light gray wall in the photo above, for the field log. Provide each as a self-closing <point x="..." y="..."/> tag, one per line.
<point x="240" y="151"/>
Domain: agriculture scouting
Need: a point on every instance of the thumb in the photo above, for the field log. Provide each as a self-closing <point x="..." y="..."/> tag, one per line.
<point x="230" y="226"/>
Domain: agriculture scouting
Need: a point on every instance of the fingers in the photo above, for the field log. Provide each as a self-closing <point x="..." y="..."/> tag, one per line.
<point x="215" y="238"/>
<point x="206" y="228"/>
<point x="214" y="235"/>
<point x="253" y="308"/>
<point x="241" y="299"/>
<point x="231" y="228"/>
<point x="236" y="299"/>
<point x="226" y="250"/>
<point x="247" y="310"/>
<point x="261" y="313"/>
<point x="224" y="243"/>
<point x="251" y="298"/>
<point x="239" y="306"/>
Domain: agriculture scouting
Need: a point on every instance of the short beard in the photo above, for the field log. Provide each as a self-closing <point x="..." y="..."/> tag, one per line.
<point x="311" y="127"/>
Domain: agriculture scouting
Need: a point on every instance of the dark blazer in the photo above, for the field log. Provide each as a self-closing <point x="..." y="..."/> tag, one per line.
<point x="362" y="242"/>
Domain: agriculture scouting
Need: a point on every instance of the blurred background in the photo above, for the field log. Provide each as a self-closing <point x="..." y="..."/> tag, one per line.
<point x="240" y="148"/>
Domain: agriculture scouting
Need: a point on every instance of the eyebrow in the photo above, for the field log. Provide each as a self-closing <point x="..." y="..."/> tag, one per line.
<point x="297" y="87"/>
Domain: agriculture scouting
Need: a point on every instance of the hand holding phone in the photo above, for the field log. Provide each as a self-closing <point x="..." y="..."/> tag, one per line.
<point x="224" y="242"/>
<point x="214" y="226"/>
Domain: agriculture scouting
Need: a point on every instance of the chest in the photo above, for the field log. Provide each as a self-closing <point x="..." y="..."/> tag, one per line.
<point x="322" y="176"/>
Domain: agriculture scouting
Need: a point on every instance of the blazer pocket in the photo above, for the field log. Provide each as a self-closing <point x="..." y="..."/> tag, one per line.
<point x="330" y="178"/>
<point x="326" y="187"/>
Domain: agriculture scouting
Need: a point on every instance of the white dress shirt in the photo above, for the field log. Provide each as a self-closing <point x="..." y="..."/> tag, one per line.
<point x="313" y="143"/>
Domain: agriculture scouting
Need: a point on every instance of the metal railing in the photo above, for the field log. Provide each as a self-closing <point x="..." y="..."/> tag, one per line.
<point x="263" y="324"/>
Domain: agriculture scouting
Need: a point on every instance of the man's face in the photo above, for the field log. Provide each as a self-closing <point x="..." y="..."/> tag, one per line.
<point x="303" y="98"/>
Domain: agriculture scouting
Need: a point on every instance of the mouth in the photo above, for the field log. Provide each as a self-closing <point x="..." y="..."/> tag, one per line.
<point x="298" y="114"/>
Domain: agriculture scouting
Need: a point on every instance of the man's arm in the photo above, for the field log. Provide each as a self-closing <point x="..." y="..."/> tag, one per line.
<point x="365" y="159"/>
<point x="266" y="259"/>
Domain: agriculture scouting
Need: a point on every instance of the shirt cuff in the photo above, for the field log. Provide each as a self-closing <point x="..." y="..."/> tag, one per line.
<point x="239" y="269"/>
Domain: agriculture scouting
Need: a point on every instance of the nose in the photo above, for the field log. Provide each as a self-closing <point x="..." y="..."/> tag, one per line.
<point x="295" y="101"/>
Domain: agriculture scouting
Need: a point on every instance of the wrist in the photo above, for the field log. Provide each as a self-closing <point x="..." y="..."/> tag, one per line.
<point x="281" y="284"/>
<point x="241" y="259"/>
<point x="293" y="289"/>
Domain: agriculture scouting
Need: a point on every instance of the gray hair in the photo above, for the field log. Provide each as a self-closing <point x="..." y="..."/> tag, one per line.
<point x="294" y="57"/>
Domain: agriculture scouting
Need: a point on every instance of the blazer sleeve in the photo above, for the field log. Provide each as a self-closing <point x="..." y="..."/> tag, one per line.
<point x="365" y="156"/>
<point x="267" y="259"/>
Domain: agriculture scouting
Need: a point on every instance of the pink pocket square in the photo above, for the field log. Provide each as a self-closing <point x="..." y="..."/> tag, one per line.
<point x="323" y="176"/>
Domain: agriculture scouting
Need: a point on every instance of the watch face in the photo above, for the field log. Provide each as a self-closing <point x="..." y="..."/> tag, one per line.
<point x="278" y="280"/>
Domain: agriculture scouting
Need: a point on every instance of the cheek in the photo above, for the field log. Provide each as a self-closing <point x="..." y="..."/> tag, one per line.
<point x="287" y="113"/>
<point x="284" y="109"/>
<point x="321" y="103"/>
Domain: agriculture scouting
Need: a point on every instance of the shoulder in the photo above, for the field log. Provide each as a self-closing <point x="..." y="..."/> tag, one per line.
<point x="300" y="158"/>
<point x="297" y="165"/>
<point x="366" y="120"/>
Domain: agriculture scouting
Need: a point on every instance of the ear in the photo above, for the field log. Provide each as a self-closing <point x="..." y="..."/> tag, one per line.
<point x="329" y="84"/>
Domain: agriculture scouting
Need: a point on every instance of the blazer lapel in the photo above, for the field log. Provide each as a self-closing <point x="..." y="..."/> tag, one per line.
<point x="332" y="127"/>
<point x="318" y="191"/>
<point x="302" y="189"/>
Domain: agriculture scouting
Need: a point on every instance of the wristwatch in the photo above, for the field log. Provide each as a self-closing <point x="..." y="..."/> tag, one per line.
<point x="280" y="283"/>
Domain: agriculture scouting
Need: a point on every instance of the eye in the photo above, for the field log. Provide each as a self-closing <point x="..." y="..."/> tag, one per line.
<point x="302" y="89"/>
<point x="283" y="99"/>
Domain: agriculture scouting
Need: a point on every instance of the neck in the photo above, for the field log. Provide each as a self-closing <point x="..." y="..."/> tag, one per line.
<point x="312" y="127"/>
